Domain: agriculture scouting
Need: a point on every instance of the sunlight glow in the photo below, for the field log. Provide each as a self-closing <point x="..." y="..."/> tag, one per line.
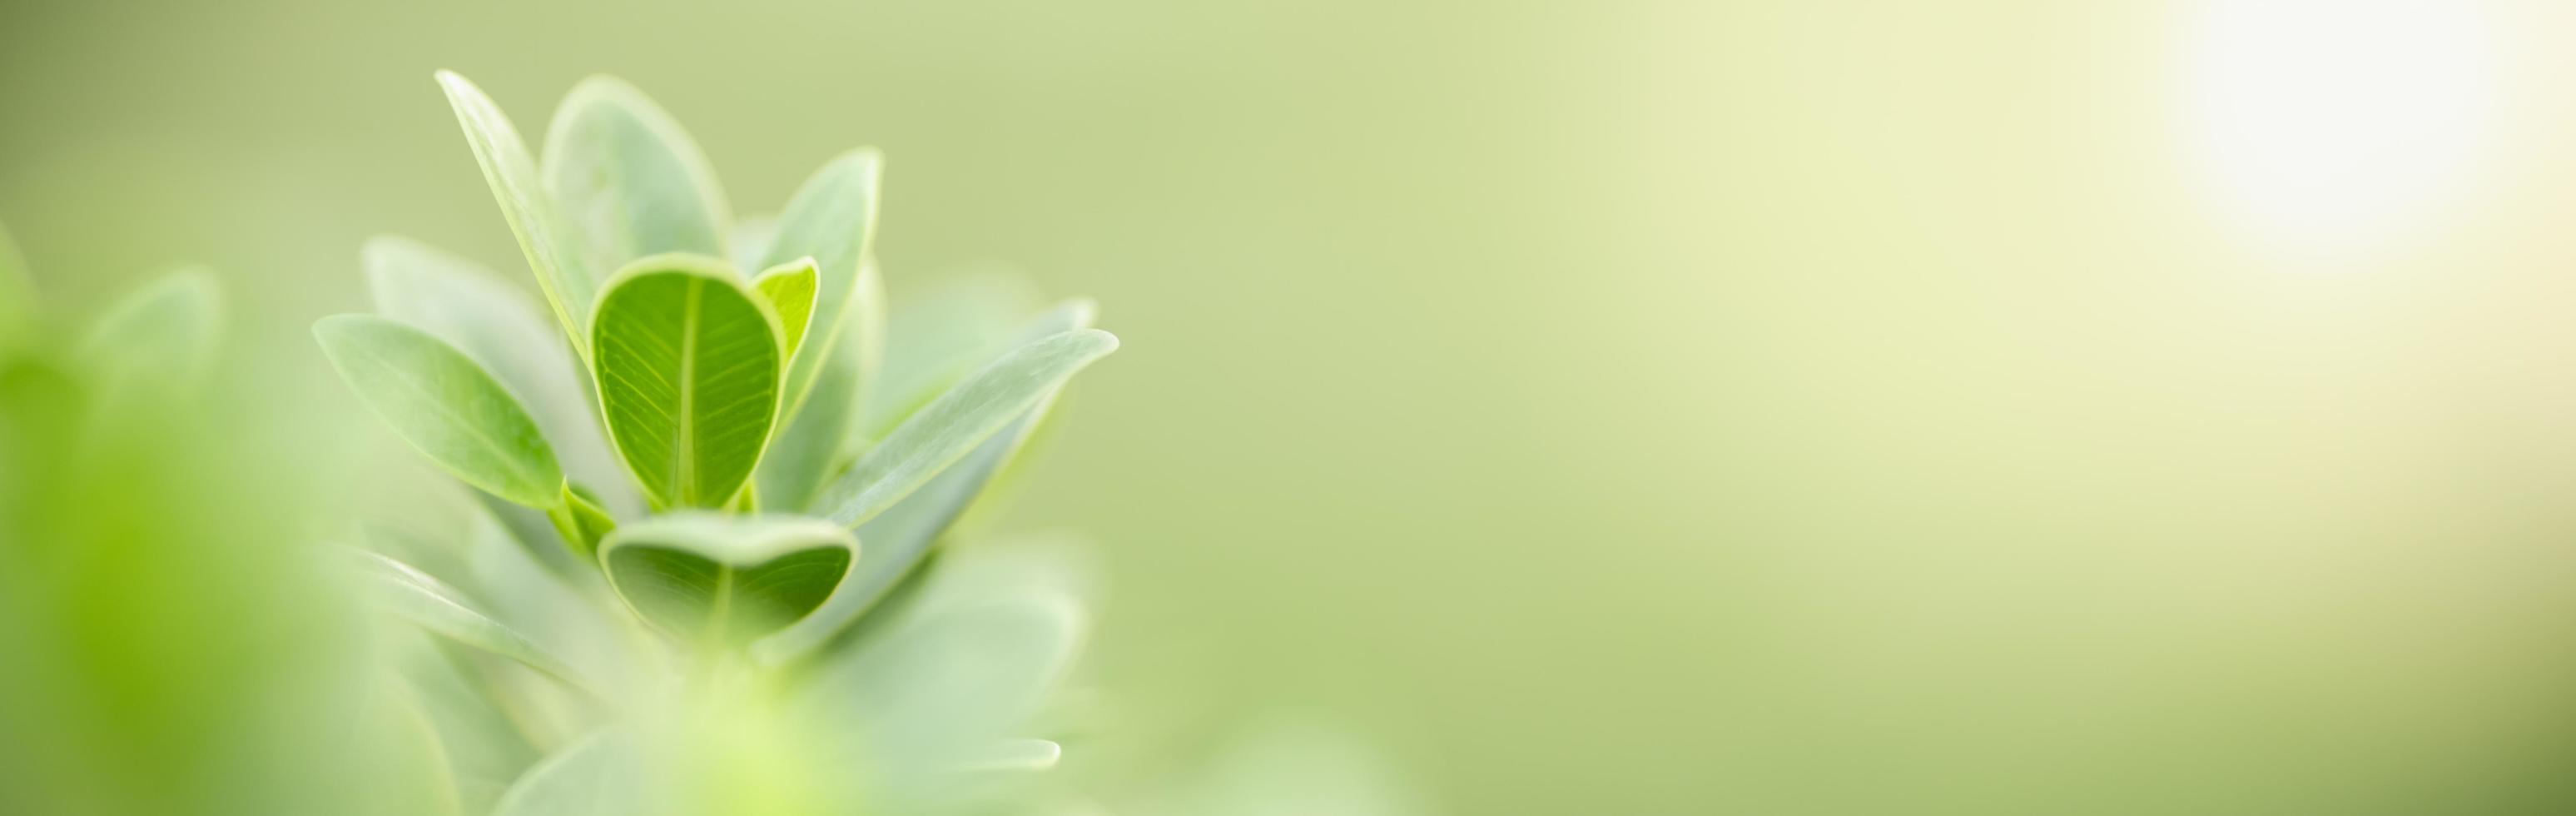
<point x="2328" y="124"/>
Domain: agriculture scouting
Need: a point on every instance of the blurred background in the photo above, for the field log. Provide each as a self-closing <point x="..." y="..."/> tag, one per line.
<point x="1609" y="407"/>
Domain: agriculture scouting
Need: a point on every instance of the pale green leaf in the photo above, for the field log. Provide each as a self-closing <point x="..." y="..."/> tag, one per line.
<point x="803" y="452"/>
<point x="952" y="426"/>
<point x="602" y="775"/>
<point x="445" y="405"/>
<point x="497" y="324"/>
<point x="832" y="219"/>
<point x="688" y="373"/>
<point x="899" y="538"/>
<point x="433" y="605"/>
<point x="940" y="331"/>
<point x="553" y="252"/>
<point x="751" y="238"/>
<point x="789" y="288"/>
<point x="161" y="338"/>
<point x="628" y="180"/>
<point x="726" y="579"/>
<point x="941" y="691"/>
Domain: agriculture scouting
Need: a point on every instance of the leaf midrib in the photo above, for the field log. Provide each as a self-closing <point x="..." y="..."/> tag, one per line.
<point x="684" y="483"/>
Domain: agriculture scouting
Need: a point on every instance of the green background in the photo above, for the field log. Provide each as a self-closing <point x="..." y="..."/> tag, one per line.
<point x="1602" y="407"/>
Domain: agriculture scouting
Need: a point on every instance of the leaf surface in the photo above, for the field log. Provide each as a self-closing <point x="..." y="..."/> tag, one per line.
<point x="789" y="288"/>
<point x="688" y="373"/>
<point x="953" y="425"/>
<point x="553" y="251"/>
<point x="628" y="179"/>
<point x="433" y="605"/>
<point x="726" y="579"/>
<point x="445" y="405"/>
<point x="481" y="314"/>
<point x="832" y="219"/>
<point x="602" y="775"/>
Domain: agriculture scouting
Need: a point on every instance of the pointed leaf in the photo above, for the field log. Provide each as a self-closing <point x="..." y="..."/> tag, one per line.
<point x="628" y="180"/>
<point x="495" y="323"/>
<point x="789" y="288"/>
<point x="688" y="371"/>
<point x="901" y="537"/>
<point x="160" y="339"/>
<point x="726" y="579"/>
<point x="437" y="399"/>
<point x="433" y="605"/>
<point x="553" y="252"/>
<point x="952" y="426"/>
<point x="939" y="333"/>
<point x="601" y="775"/>
<point x="831" y="219"/>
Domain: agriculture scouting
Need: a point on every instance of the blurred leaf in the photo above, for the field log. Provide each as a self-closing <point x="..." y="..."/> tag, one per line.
<point x="437" y="399"/>
<point x="938" y="334"/>
<point x="751" y="238"/>
<point x="726" y="579"/>
<point x="952" y="426"/>
<point x="598" y="776"/>
<point x="688" y="372"/>
<point x="901" y="537"/>
<point x="832" y="219"/>
<point x="161" y="339"/>
<point x="552" y="249"/>
<point x="483" y="316"/>
<point x="433" y="605"/>
<point x="405" y="761"/>
<point x="628" y="179"/>
<point x="580" y="520"/>
<point x="943" y="691"/>
<point x="789" y="288"/>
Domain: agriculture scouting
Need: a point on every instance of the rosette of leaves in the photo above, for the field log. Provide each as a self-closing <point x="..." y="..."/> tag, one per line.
<point x="714" y="471"/>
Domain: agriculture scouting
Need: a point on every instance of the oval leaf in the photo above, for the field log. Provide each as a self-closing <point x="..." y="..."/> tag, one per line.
<point x="481" y="314"/>
<point x="601" y="775"/>
<point x="433" y="605"/>
<point x="953" y="425"/>
<point x="831" y="219"/>
<point x="553" y="252"/>
<point x="726" y="579"/>
<point x="688" y="372"/>
<point x="628" y="180"/>
<point x="445" y="405"/>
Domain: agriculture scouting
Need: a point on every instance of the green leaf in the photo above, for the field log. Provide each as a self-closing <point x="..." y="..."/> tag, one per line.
<point x="602" y="775"/>
<point x="431" y="604"/>
<point x="952" y="426"/>
<point x="940" y="332"/>
<point x="726" y="579"/>
<point x="804" y="451"/>
<point x="17" y="294"/>
<point x="688" y="372"/>
<point x="445" y="405"/>
<point x="161" y="339"/>
<point x="628" y="180"/>
<point x="831" y="219"/>
<point x="789" y="288"/>
<point x="495" y="323"/>
<point x="949" y="686"/>
<point x="552" y="249"/>
<point x="580" y="521"/>
<point x="901" y="537"/>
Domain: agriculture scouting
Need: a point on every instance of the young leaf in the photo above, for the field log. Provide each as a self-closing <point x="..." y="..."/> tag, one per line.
<point x="803" y="452"/>
<point x="433" y="605"/>
<point x="480" y="314"/>
<point x="628" y="180"/>
<point x="789" y="288"/>
<point x="553" y="252"/>
<point x="901" y="537"/>
<point x="688" y="372"/>
<point x="726" y="579"/>
<point x="602" y="775"/>
<point x="160" y="339"/>
<point x="831" y="219"/>
<point x="952" y="426"/>
<point x="437" y="399"/>
<point x="17" y="294"/>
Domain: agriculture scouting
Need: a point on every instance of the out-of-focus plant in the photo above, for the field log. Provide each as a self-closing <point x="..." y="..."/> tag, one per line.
<point x="713" y="475"/>
<point x="161" y="651"/>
